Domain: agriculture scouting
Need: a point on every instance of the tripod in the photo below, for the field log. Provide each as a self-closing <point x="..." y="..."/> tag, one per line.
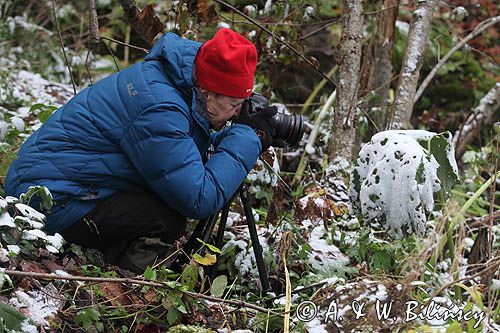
<point x="204" y="230"/>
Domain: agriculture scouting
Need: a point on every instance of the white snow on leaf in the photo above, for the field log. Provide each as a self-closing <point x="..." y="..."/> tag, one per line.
<point x="14" y="249"/>
<point x="51" y="249"/>
<point x="4" y="277"/>
<point x="24" y="221"/>
<point x="324" y="256"/>
<point x="6" y="220"/>
<point x="56" y="241"/>
<point x="268" y="6"/>
<point x="30" y="212"/>
<point x="4" y="127"/>
<point x="4" y="255"/>
<point x="11" y="200"/>
<point x="397" y="178"/>
<point x="34" y="234"/>
<point x="18" y="123"/>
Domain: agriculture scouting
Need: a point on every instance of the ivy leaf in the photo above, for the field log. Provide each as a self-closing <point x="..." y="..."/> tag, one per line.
<point x="218" y="286"/>
<point x="208" y="260"/>
<point x="189" y="277"/>
<point x="150" y="274"/>
<point x="86" y="317"/>
<point x="10" y="318"/>
<point x="173" y="316"/>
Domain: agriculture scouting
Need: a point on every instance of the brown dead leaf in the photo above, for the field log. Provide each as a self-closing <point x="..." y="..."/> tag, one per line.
<point x="148" y="328"/>
<point x="114" y="293"/>
<point x="204" y="12"/>
<point x="31" y="266"/>
<point x="148" y="23"/>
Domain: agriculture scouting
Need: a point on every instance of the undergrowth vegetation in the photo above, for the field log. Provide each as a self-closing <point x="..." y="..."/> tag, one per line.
<point x="419" y="254"/>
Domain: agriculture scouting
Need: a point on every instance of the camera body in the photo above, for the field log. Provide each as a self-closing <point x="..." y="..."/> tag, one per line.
<point x="289" y="128"/>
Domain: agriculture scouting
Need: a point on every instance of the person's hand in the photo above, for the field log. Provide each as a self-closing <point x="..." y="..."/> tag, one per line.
<point x="262" y="122"/>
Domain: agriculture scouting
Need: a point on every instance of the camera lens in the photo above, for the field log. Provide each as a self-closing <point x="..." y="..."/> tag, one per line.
<point x="289" y="128"/>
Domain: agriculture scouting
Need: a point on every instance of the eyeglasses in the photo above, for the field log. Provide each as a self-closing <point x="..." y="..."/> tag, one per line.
<point x="228" y="102"/>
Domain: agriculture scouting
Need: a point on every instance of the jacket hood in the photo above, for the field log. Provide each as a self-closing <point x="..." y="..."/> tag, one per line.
<point x="177" y="55"/>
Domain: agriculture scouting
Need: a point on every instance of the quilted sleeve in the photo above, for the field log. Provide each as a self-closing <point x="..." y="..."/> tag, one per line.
<point x="160" y="147"/>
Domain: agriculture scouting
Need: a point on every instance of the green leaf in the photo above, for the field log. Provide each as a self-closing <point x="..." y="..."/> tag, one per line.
<point x="189" y="277"/>
<point x="380" y="260"/>
<point x="10" y="318"/>
<point x="173" y="315"/>
<point x="210" y="246"/>
<point x="208" y="260"/>
<point x="218" y="286"/>
<point x="86" y="317"/>
<point x="150" y="274"/>
<point x="440" y="146"/>
<point x="45" y="111"/>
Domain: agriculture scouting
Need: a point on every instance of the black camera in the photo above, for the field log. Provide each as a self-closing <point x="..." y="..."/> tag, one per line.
<point x="289" y="128"/>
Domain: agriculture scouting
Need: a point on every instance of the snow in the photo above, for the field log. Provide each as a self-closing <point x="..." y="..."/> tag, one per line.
<point x="14" y="249"/>
<point x="37" y="305"/>
<point x="324" y="256"/>
<point x="24" y="221"/>
<point x="495" y="284"/>
<point x="6" y="220"/>
<point x="30" y="212"/>
<point x="4" y="255"/>
<point x="34" y="234"/>
<point x="268" y="6"/>
<point x="4" y="277"/>
<point x="56" y="241"/>
<point x="251" y="10"/>
<point x="18" y="123"/>
<point x="27" y="327"/>
<point x="223" y="25"/>
<point x="394" y="179"/>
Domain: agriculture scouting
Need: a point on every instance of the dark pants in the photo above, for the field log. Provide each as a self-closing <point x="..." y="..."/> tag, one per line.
<point x="132" y="230"/>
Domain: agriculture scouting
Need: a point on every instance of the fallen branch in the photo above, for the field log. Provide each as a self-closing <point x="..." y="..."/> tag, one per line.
<point x="47" y="276"/>
<point x="478" y="30"/>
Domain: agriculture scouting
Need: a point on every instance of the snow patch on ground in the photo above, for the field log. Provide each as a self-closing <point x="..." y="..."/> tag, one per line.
<point x="37" y="304"/>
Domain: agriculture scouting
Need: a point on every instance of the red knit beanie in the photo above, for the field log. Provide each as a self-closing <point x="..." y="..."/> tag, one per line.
<point x="226" y="64"/>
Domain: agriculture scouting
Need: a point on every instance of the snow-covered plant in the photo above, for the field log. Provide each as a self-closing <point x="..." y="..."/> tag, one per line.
<point x="21" y="225"/>
<point x="396" y="175"/>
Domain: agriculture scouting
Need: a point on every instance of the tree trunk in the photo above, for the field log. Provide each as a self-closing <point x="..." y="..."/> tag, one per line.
<point x="380" y="72"/>
<point x="349" y="60"/>
<point x="482" y="114"/>
<point x="418" y="38"/>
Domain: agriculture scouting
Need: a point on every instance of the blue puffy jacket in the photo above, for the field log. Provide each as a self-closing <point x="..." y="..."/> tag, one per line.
<point x="134" y="130"/>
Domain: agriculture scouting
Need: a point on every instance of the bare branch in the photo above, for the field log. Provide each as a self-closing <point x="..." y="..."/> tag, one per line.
<point x="478" y="30"/>
<point x="46" y="276"/>
<point x="483" y="113"/>
<point x="62" y="45"/>
<point x="278" y="40"/>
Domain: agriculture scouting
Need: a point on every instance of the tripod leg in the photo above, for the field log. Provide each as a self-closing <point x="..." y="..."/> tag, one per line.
<point x="257" y="249"/>
<point x="222" y="226"/>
